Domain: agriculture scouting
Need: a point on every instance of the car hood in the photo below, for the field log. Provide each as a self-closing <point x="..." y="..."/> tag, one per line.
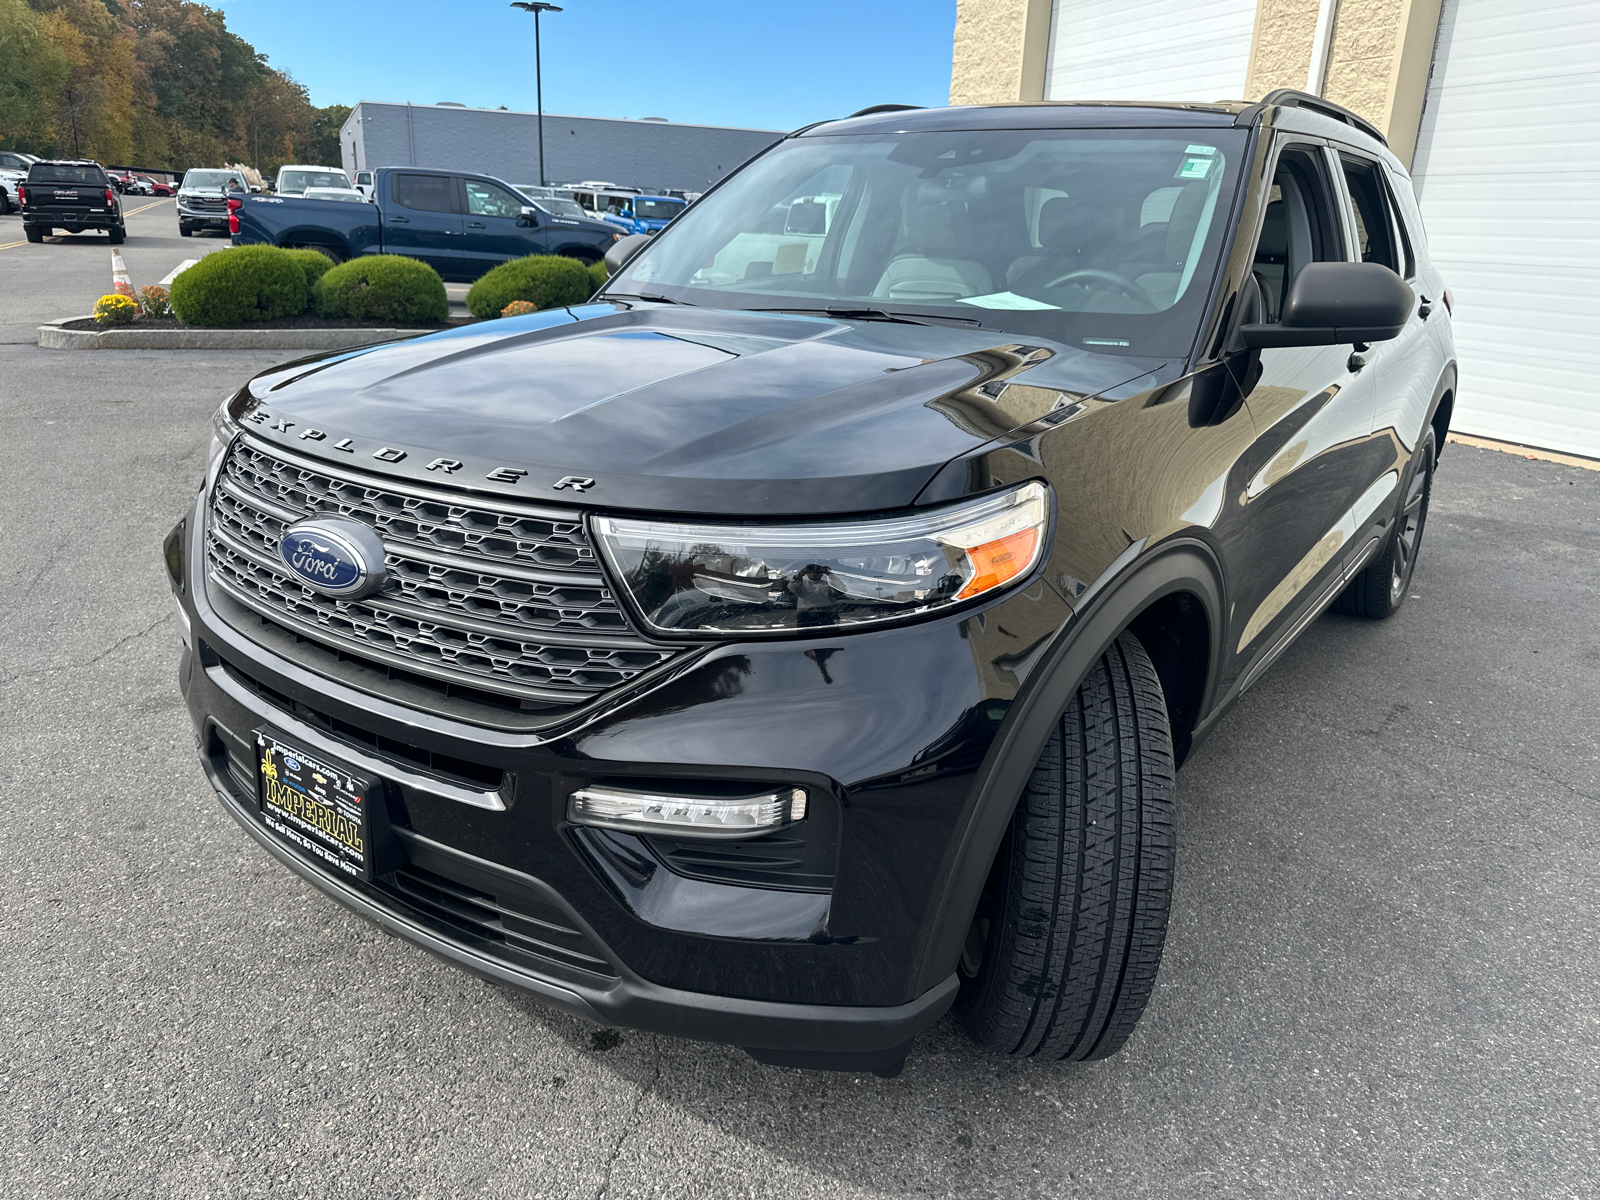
<point x="676" y="409"/>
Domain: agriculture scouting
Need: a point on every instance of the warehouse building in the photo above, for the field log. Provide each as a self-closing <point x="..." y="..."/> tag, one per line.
<point x="1492" y="103"/>
<point x="649" y="153"/>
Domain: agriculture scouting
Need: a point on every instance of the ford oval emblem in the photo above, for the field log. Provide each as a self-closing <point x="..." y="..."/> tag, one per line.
<point x="335" y="556"/>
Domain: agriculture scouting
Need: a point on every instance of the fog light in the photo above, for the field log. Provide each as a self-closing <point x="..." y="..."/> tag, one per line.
<point x="688" y="816"/>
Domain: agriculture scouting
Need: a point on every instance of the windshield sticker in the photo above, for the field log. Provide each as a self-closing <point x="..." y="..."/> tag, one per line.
<point x="1201" y="150"/>
<point x="789" y="259"/>
<point x="1194" y="168"/>
<point x="1006" y="300"/>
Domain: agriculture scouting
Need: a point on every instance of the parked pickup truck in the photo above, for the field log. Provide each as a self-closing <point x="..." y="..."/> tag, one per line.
<point x="462" y="225"/>
<point x="74" y="195"/>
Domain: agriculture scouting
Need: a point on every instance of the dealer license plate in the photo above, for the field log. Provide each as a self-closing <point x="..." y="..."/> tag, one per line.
<point x="319" y="807"/>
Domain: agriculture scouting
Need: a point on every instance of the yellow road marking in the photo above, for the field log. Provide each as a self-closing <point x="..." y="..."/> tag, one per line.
<point x="8" y="245"/>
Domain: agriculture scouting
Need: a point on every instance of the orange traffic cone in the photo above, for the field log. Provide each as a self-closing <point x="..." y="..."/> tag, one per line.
<point x="120" y="283"/>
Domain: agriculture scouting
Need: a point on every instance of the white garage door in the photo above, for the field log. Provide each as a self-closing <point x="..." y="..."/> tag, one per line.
<point x="1508" y="173"/>
<point x="1149" y="49"/>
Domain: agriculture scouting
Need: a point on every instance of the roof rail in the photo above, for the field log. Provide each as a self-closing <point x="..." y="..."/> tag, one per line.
<point x="883" y="108"/>
<point x="1289" y="98"/>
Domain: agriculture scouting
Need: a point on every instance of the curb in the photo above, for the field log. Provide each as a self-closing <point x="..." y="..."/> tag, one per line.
<point x="53" y="337"/>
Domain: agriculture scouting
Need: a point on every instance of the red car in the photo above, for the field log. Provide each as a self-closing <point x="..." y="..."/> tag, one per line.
<point x="161" y="188"/>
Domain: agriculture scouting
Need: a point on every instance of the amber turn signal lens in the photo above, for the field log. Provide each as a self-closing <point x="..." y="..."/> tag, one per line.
<point x="995" y="562"/>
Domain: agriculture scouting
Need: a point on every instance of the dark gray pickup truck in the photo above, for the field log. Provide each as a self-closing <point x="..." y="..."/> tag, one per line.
<point x="69" y="194"/>
<point x="462" y="225"/>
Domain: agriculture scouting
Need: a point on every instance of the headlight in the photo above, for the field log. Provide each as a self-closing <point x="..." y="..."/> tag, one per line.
<point x="223" y="431"/>
<point x="776" y="578"/>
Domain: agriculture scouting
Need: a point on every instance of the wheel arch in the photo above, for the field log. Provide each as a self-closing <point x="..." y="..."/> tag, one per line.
<point x="1168" y="598"/>
<point x="312" y="239"/>
<point x="1442" y="407"/>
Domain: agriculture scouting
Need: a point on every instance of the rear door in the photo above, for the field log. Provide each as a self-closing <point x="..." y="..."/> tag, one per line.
<point x="1310" y="505"/>
<point x="494" y="228"/>
<point x="422" y="220"/>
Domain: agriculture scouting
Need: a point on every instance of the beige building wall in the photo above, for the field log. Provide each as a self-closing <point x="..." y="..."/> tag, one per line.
<point x="1377" y="64"/>
<point x="1000" y="51"/>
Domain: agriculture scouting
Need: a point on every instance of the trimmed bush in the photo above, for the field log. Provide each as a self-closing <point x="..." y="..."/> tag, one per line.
<point x="382" y="287"/>
<point x="115" y="310"/>
<point x="238" y="285"/>
<point x="519" y="308"/>
<point x="598" y="274"/>
<point x="543" y="280"/>
<point x="314" y="263"/>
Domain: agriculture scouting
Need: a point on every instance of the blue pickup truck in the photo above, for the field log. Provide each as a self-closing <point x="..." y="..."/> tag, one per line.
<point x="646" y="214"/>
<point x="462" y="225"/>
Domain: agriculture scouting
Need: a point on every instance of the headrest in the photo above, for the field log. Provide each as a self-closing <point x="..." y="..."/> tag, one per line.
<point x="1185" y="219"/>
<point x="1275" y="231"/>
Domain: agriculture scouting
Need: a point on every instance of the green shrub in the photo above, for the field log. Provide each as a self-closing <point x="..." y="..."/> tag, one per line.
<point x="314" y="263"/>
<point x="545" y="280"/>
<point x="240" y="284"/>
<point x="598" y="274"/>
<point x="382" y="287"/>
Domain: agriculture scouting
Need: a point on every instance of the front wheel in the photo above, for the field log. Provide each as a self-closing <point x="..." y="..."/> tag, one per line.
<point x="1380" y="589"/>
<point x="1062" y="956"/>
<point x="5" y="202"/>
<point x="185" y="230"/>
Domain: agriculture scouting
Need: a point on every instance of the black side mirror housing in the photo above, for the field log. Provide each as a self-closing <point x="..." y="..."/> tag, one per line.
<point x="624" y="249"/>
<point x="529" y="215"/>
<point x="1337" y="304"/>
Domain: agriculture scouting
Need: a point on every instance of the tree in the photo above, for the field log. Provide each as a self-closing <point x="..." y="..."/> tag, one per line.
<point x="33" y="71"/>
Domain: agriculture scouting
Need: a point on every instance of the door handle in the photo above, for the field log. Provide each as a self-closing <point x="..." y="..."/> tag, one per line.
<point x="399" y="220"/>
<point x="477" y="225"/>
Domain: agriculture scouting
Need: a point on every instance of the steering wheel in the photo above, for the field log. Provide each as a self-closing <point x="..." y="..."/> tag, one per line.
<point x="1112" y="282"/>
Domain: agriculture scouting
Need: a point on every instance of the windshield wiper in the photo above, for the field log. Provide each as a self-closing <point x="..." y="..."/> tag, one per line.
<point x="652" y="297"/>
<point x="847" y="313"/>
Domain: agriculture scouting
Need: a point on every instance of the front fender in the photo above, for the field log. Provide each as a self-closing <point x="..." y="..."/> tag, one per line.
<point x="1127" y="588"/>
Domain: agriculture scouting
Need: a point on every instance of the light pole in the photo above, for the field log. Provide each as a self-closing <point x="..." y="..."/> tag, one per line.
<point x="536" y="7"/>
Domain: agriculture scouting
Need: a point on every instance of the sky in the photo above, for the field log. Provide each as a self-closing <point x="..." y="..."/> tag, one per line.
<point x="764" y="64"/>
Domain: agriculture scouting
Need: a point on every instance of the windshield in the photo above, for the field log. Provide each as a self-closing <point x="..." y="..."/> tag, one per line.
<point x="299" y="181"/>
<point x="208" y="179"/>
<point x="1104" y="238"/>
<point x="61" y="173"/>
<point x="657" y="210"/>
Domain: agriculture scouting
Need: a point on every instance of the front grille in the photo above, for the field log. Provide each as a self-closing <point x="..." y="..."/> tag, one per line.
<point x="504" y="598"/>
<point x="206" y="204"/>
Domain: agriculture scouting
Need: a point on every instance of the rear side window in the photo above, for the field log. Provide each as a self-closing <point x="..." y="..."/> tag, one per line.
<point x="1374" y="224"/>
<point x="426" y="193"/>
<point x="62" y="174"/>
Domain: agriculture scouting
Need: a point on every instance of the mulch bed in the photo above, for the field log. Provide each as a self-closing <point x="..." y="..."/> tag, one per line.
<point x="302" y="321"/>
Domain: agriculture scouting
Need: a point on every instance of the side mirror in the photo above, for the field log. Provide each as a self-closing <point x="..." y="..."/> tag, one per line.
<point x="623" y="250"/>
<point x="1337" y="304"/>
<point x="528" y="216"/>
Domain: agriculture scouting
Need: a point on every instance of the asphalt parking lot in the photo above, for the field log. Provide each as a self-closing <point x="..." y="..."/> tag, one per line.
<point x="1381" y="979"/>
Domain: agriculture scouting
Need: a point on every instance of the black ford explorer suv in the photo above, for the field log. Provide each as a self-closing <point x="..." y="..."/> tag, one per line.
<point x="70" y="194"/>
<point x="799" y="640"/>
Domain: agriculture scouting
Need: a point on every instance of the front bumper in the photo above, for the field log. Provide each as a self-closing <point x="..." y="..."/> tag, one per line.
<point x="888" y="729"/>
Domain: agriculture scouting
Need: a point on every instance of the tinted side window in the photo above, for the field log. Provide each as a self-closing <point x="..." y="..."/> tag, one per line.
<point x="427" y="193"/>
<point x="487" y="200"/>
<point x="1300" y="226"/>
<point x="1369" y="200"/>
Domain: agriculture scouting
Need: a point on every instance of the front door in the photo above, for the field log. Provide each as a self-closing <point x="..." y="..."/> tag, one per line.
<point x="1322" y="478"/>
<point x="495" y="230"/>
<point x="422" y="220"/>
